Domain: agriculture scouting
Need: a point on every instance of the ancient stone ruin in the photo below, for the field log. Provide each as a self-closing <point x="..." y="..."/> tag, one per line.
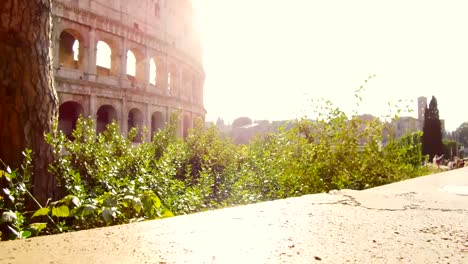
<point x="133" y="62"/>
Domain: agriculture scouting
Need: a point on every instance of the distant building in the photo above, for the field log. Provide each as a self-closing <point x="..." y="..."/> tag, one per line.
<point x="410" y="124"/>
<point x="406" y="124"/>
<point x="422" y="105"/>
<point x="366" y="117"/>
<point x="133" y="63"/>
<point x="396" y="128"/>
<point x="243" y="134"/>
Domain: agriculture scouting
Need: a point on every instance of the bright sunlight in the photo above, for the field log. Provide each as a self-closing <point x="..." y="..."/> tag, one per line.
<point x="267" y="59"/>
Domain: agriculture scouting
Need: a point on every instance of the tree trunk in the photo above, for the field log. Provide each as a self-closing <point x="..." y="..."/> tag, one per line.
<point x="28" y="101"/>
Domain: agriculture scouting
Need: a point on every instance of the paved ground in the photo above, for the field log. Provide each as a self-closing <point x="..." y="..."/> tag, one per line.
<point x="424" y="220"/>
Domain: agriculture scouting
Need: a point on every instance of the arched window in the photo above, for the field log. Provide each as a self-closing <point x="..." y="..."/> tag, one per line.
<point x="68" y="116"/>
<point x="69" y="50"/>
<point x="135" y="120"/>
<point x="157" y="122"/>
<point x="106" y="114"/>
<point x="169" y="81"/>
<point x="152" y="72"/>
<point x="103" y="55"/>
<point x="131" y="63"/>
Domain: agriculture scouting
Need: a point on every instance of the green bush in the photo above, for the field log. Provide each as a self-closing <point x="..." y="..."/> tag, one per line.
<point x="105" y="179"/>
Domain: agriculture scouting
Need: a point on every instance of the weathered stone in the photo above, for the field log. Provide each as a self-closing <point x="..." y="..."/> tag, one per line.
<point x="414" y="221"/>
<point x="153" y="31"/>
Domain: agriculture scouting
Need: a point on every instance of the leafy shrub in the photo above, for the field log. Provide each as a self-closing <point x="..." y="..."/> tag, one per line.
<point x="105" y="179"/>
<point x="15" y="202"/>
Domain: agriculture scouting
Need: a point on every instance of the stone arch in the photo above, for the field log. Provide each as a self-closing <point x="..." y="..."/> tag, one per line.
<point x="106" y="114"/>
<point x="82" y="100"/>
<point x="135" y="120"/>
<point x="68" y="115"/>
<point x="107" y="58"/>
<point x="131" y="63"/>
<point x="135" y="64"/>
<point x="161" y="69"/>
<point x="153" y="72"/>
<point x="70" y="51"/>
<point x="157" y="122"/>
<point x="103" y="58"/>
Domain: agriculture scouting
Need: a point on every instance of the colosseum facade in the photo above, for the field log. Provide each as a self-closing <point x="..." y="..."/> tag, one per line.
<point x="133" y="62"/>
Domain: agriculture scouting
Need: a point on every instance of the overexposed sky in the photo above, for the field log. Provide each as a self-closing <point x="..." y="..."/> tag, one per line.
<point x="267" y="59"/>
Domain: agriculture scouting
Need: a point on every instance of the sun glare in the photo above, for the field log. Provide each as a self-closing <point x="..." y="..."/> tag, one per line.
<point x="267" y="59"/>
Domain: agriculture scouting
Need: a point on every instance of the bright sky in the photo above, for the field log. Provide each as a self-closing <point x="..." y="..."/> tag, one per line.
<point x="267" y="59"/>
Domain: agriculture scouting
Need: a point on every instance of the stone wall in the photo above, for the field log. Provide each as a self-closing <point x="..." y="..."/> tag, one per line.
<point x="155" y="37"/>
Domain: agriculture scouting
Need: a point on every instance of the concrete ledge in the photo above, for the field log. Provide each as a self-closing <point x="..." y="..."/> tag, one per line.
<point x="423" y="220"/>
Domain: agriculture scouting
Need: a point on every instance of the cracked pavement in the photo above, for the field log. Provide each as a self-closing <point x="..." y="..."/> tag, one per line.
<point x="422" y="220"/>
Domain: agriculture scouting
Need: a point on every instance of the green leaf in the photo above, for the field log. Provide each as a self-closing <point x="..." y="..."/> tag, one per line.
<point x="147" y="205"/>
<point x="167" y="213"/>
<point x="41" y="212"/>
<point x="137" y="205"/>
<point x="84" y="210"/>
<point x="134" y="202"/>
<point x="156" y="201"/>
<point x="48" y="138"/>
<point x="151" y="203"/>
<point x="88" y="209"/>
<point x="7" y="176"/>
<point x="71" y="199"/>
<point x="61" y="211"/>
<point x="37" y="227"/>
<point x="25" y="234"/>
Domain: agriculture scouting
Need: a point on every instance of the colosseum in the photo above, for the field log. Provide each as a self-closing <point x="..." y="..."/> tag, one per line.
<point x="132" y="62"/>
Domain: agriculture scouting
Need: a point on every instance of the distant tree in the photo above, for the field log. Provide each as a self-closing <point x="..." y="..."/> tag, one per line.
<point x="461" y="134"/>
<point x="432" y="131"/>
<point x="241" y="121"/>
